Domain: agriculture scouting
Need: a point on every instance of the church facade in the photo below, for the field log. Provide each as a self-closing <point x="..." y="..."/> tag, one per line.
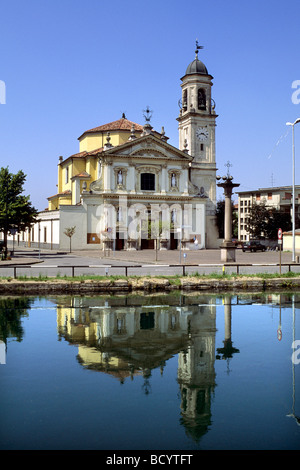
<point x="128" y="189"/>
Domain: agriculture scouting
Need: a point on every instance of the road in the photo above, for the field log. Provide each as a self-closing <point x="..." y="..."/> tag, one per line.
<point x="143" y="262"/>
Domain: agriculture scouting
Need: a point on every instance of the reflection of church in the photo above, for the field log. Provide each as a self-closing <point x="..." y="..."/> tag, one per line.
<point x="134" y="339"/>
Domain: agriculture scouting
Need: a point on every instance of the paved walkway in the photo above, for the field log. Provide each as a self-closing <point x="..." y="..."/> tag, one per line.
<point x="30" y="256"/>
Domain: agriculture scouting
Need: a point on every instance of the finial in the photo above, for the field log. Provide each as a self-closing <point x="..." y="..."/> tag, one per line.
<point x="132" y="135"/>
<point x="185" y="146"/>
<point x="108" y="145"/>
<point x="197" y="48"/>
<point x="163" y="134"/>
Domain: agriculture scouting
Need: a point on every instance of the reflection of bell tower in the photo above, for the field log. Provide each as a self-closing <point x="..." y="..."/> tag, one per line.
<point x="196" y="373"/>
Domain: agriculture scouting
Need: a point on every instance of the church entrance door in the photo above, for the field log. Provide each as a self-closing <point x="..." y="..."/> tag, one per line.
<point x="147" y="244"/>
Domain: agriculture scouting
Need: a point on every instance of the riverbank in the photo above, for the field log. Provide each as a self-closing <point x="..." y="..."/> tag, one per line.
<point x="114" y="285"/>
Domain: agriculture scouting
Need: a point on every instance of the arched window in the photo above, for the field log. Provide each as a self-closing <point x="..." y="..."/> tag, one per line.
<point x="184" y="100"/>
<point x="201" y="99"/>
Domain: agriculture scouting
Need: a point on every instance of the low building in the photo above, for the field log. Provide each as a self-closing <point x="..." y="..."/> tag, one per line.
<point x="287" y="241"/>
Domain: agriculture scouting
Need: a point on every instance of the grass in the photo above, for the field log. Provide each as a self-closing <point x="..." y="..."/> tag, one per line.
<point x="175" y="280"/>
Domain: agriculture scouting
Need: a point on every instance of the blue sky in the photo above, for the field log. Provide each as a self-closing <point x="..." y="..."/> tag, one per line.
<point x="71" y="65"/>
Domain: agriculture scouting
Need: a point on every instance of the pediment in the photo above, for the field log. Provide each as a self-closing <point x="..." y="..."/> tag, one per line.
<point x="149" y="147"/>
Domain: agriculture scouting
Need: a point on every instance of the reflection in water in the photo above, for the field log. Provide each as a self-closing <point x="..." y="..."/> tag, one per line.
<point x="12" y="309"/>
<point x="228" y="350"/>
<point x="133" y="339"/>
<point x="127" y="338"/>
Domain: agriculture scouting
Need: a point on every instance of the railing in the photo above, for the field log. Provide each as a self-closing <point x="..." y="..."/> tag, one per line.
<point x="126" y="268"/>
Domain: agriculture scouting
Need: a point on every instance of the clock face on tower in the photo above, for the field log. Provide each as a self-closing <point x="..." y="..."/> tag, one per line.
<point x="202" y="134"/>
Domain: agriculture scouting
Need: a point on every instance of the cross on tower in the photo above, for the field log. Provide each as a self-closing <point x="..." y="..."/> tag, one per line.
<point x="228" y="164"/>
<point x="148" y="114"/>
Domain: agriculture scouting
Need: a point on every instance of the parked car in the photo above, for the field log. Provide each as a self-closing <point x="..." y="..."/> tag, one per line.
<point x="253" y="245"/>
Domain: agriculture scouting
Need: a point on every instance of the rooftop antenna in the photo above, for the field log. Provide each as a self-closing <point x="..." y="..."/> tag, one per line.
<point x="272" y="180"/>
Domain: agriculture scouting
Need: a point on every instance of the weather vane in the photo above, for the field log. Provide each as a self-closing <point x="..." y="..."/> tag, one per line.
<point x="197" y="48"/>
<point x="148" y="115"/>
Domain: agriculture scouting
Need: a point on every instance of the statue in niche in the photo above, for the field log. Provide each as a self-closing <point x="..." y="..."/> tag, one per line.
<point x="120" y="177"/>
<point x="173" y="180"/>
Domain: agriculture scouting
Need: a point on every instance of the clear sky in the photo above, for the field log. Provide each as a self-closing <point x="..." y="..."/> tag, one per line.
<point x="71" y="65"/>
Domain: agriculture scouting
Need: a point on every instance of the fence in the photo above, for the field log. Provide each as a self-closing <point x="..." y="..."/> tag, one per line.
<point x="182" y="268"/>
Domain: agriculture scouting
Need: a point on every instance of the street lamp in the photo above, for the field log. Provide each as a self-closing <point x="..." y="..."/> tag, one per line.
<point x="293" y="206"/>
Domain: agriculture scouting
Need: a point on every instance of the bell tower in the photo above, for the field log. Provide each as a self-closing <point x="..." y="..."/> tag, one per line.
<point x="197" y="119"/>
<point x="197" y="123"/>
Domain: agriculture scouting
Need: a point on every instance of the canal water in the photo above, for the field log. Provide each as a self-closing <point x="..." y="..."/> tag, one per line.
<point x="176" y="372"/>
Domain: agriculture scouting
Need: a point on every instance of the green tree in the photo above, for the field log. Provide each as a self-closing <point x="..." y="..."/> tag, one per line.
<point x="257" y="220"/>
<point x="277" y="219"/>
<point x="265" y="221"/>
<point x="220" y="214"/>
<point x="16" y="210"/>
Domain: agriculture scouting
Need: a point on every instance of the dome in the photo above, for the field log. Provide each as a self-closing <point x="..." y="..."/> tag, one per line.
<point x="196" y="67"/>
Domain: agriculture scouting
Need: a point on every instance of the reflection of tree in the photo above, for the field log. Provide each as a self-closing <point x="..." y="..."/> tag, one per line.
<point x="11" y="311"/>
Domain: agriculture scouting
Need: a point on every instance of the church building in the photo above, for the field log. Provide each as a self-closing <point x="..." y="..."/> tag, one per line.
<point x="128" y="189"/>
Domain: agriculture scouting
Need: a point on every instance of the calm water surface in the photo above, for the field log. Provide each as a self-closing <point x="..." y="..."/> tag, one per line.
<point x="150" y="372"/>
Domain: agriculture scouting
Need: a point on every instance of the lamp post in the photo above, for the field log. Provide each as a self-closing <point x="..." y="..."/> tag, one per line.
<point x="293" y="204"/>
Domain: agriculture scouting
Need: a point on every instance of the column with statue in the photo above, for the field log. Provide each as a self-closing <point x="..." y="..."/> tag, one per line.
<point x="228" y="248"/>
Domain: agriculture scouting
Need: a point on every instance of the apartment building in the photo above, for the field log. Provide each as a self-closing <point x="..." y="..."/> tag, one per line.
<point x="279" y="197"/>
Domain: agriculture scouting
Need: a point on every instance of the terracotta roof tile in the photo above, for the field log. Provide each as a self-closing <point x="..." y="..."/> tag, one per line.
<point x="78" y="155"/>
<point x="83" y="174"/>
<point x="122" y="124"/>
<point x="64" y="193"/>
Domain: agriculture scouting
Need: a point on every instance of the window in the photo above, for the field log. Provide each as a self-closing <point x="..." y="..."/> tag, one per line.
<point x="45" y="234"/>
<point x="184" y="104"/>
<point x="67" y="175"/>
<point x="147" y="182"/>
<point x="201" y="99"/>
